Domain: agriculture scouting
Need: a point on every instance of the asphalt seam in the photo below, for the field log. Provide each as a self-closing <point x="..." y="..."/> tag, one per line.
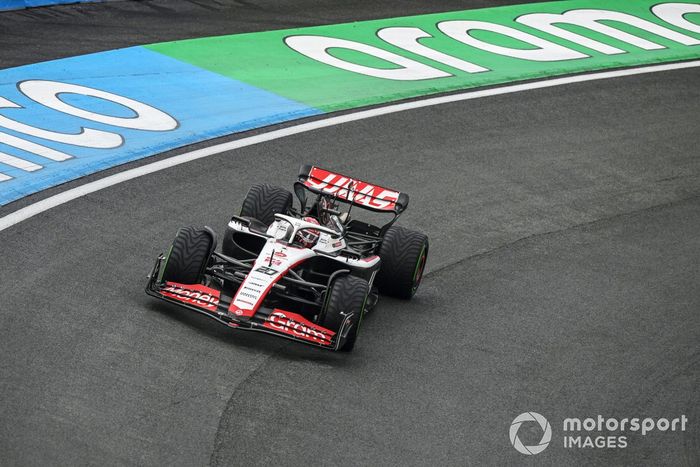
<point x="217" y="442"/>
<point x="582" y="225"/>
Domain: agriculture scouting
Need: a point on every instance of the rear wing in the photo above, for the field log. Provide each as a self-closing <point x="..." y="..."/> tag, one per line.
<point x="349" y="190"/>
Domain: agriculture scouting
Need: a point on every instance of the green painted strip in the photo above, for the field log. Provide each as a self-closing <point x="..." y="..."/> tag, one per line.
<point x="264" y="60"/>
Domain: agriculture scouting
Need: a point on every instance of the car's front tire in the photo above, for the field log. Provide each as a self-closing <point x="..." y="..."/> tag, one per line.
<point x="188" y="256"/>
<point x="347" y="294"/>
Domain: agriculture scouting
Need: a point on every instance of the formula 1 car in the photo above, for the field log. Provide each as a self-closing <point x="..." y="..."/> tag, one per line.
<point x="309" y="273"/>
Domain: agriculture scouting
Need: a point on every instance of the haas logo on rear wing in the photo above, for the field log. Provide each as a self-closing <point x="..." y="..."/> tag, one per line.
<point x="352" y="190"/>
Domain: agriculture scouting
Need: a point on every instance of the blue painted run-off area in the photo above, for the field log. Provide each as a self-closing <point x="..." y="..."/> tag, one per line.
<point x="204" y="104"/>
<point x="20" y="4"/>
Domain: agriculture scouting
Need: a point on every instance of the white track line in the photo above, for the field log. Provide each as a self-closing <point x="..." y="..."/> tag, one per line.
<point x="91" y="187"/>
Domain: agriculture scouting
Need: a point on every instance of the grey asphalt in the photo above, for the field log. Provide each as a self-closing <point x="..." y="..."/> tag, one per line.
<point x="563" y="279"/>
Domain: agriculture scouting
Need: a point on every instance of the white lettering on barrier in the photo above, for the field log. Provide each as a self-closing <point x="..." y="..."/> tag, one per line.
<point x="407" y="39"/>
<point x="87" y="137"/>
<point x="18" y="163"/>
<point x="545" y="51"/>
<point x="674" y="13"/>
<point x="28" y="146"/>
<point x="316" y="47"/>
<point x="589" y="19"/>
<point x="47" y="93"/>
<point x="34" y="148"/>
<point x="147" y="118"/>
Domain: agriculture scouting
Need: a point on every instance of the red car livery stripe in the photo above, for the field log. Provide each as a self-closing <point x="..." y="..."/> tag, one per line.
<point x="193" y="294"/>
<point x="296" y="325"/>
<point x="354" y="191"/>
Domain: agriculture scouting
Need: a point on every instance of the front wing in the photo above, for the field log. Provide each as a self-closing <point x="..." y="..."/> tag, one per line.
<point x="213" y="304"/>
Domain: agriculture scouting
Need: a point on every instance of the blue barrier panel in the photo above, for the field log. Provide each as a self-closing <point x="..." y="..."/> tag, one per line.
<point x="60" y="110"/>
<point x="19" y="4"/>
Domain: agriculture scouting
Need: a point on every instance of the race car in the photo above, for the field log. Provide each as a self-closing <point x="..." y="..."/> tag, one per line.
<point x="307" y="273"/>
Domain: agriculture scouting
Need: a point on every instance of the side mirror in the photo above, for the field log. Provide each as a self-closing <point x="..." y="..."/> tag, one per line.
<point x="300" y="191"/>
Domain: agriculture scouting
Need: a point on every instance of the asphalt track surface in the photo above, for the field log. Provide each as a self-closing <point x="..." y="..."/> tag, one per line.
<point x="563" y="279"/>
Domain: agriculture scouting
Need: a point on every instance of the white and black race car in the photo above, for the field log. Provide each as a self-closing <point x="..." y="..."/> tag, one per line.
<point x="307" y="273"/>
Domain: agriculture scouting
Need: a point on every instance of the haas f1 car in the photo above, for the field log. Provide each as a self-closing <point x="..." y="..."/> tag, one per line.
<point x="306" y="273"/>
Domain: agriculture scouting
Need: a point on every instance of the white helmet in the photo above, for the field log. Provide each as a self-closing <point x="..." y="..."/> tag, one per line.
<point x="307" y="237"/>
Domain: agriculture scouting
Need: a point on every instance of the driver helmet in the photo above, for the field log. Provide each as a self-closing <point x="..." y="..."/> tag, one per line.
<point x="308" y="237"/>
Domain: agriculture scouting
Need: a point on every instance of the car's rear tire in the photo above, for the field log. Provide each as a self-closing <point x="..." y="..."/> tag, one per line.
<point x="264" y="201"/>
<point x="188" y="256"/>
<point x="403" y="253"/>
<point x="347" y="294"/>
